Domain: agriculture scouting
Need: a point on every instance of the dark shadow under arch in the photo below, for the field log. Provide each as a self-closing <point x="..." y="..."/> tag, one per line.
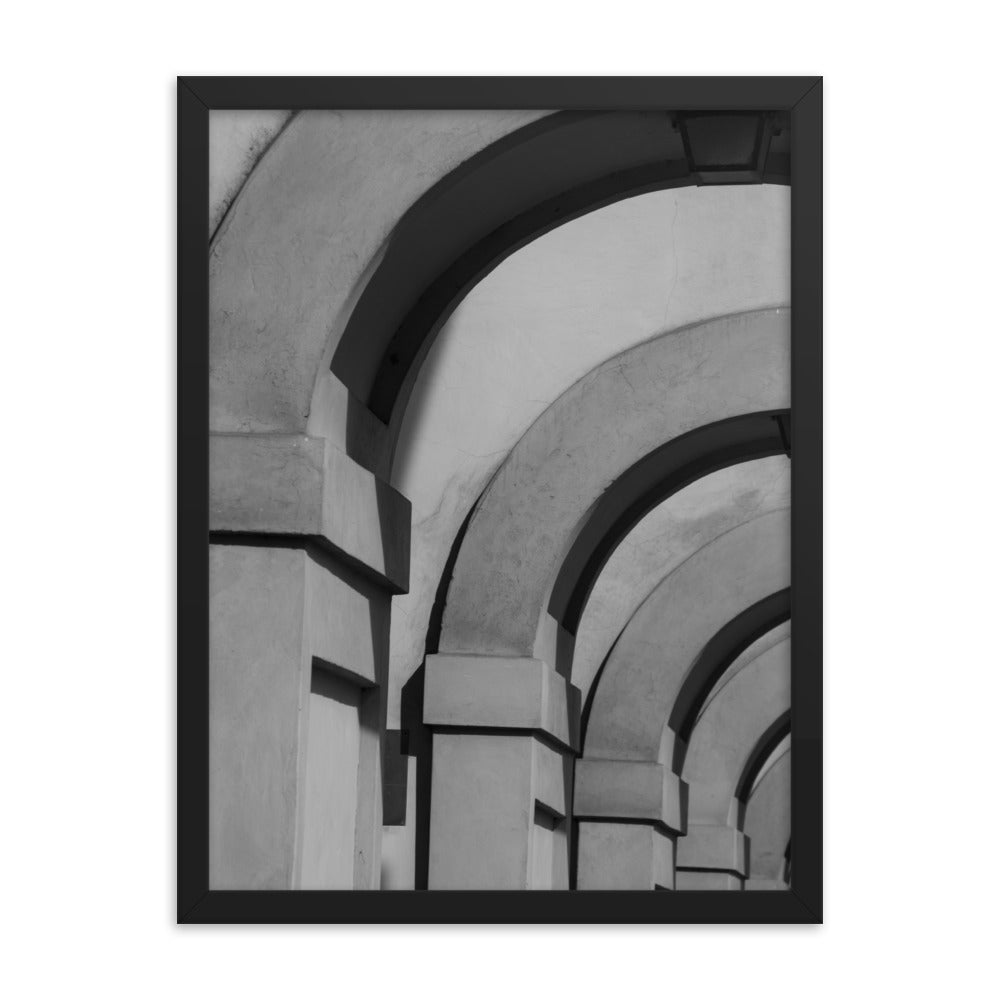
<point x="720" y="652"/>
<point x="716" y="657"/>
<point x="764" y="747"/>
<point x="649" y="482"/>
<point x="538" y="177"/>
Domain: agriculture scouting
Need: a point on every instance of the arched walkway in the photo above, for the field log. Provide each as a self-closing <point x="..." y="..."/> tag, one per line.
<point x="335" y="270"/>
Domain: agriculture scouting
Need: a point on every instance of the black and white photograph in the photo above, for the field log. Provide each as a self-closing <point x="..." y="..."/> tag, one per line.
<point x="500" y="498"/>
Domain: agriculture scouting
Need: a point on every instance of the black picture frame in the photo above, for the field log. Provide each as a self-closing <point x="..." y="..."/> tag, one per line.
<point x="802" y="98"/>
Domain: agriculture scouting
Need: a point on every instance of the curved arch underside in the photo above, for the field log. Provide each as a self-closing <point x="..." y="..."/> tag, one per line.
<point x="720" y="652"/>
<point x="359" y="238"/>
<point x="726" y="744"/>
<point x="647" y="668"/>
<point x="665" y="537"/>
<point x="756" y="648"/>
<point x="597" y="431"/>
<point x="546" y="318"/>
<point x="757" y="760"/>
<point x="523" y="185"/>
<point x="651" y="480"/>
<point x="768" y="824"/>
<point x="306" y="228"/>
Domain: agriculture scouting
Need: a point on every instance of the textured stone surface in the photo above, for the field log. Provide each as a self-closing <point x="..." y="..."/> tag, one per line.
<point x="645" y="670"/>
<point x="768" y="821"/>
<point x="707" y="846"/>
<point x="543" y="319"/>
<point x="601" y="427"/>
<point x="629" y="789"/>
<point x="236" y="141"/>
<point x="729" y="729"/>
<point x="256" y="694"/>
<point x="484" y="829"/>
<point x="663" y="539"/>
<point x="298" y="485"/>
<point x="311" y="218"/>
<point x="624" y="856"/>
<point x="500" y="692"/>
<point x="527" y="390"/>
<point x="278" y="616"/>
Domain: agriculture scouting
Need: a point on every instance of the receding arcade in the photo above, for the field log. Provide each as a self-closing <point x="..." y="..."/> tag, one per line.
<point x="500" y="505"/>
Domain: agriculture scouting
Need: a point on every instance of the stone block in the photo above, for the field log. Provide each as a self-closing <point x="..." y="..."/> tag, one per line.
<point x="715" y="848"/>
<point x="630" y="789"/>
<point x="624" y="856"/>
<point x="712" y="881"/>
<point x="503" y="693"/>
<point x="290" y="484"/>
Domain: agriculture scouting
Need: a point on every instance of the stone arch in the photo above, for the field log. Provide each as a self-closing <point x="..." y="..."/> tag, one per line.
<point x="746" y="436"/>
<point x="652" y="479"/>
<point x="520" y="186"/>
<point x="308" y="225"/>
<point x="726" y="742"/>
<point x="656" y="546"/>
<point x="730" y="743"/>
<point x="306" y="253"/>
<point x="756" y="648"/>
<point x="331" y="260"/>
<point x="546" y="318"/>
<point x="633" y="807"/>
<point x="768" y="744"/>
<point x="704" y="681"/>
<point x="559" y="470"/>
<point x="649" y="664"/>
<point x="768" y="826"/>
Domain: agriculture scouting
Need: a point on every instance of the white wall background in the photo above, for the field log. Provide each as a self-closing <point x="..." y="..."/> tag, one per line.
<point x="87" y="738"/>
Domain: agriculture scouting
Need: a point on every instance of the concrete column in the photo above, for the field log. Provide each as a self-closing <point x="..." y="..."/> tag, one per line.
<point x="765" y="884"/>
<point x="630" y="814"/>
<point x="308" y="548"/>
<point x="504" y="731"/>
<point x="712" y="857"/>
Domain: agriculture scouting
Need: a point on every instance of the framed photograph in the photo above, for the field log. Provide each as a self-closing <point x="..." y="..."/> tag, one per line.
<point x="500" y="499"/>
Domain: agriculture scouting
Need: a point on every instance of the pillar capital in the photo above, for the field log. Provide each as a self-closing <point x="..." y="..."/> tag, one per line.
<point x="707" y="847"/>
<point x="630" y="789"/>
<point x="498" y="692"/>
<point x="294" y="485"/>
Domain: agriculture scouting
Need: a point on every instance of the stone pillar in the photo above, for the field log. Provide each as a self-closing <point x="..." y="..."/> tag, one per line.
<point x="765" y="885"/>
<point x="712" y="857"/>
<point x="504" y="732"/>
<point x="630" y="814"/>
<point x="307" y="549"/>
